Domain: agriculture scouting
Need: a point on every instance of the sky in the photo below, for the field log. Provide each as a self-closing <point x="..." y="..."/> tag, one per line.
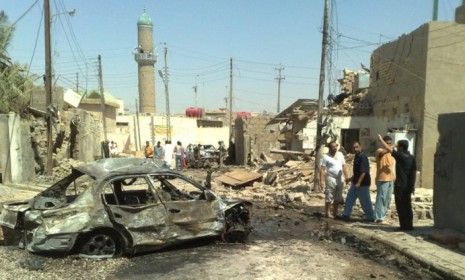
<point x="202" y="35"/>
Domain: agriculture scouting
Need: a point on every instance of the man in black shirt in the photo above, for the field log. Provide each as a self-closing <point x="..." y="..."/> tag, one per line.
<point x="404" y="185"/>
<point x="360" y="187"/>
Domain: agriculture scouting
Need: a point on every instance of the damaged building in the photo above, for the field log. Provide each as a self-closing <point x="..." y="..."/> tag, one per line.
<point x="414" y="79"/>
<point x="253" y="138"/>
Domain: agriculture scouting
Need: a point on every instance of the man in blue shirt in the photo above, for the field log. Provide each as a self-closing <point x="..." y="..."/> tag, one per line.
<point x="360" y="187"/>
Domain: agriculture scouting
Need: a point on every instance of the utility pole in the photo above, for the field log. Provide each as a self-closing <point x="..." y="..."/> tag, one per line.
<point x="435" y="9"/>
<point x="168" y="114"/>
<point x="321" y="90"/>
<point x="102" y="97"/>
<point x="165" y="76"/>
<point x="137" y="138"/>
<point x="195" y="94"/>
<point x="230" y="99"/>
<point x="48" y="86"/>
<point x="77" y="82"/>
<point x="279" y="78"/>
<point x="152" y="131"/>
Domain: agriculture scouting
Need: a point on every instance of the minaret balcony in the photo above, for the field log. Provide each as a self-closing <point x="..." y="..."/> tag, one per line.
<point x="145" y="58"/>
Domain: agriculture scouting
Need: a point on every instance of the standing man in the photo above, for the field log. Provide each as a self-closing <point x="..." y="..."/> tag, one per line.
<point x="179" y="154"/>
<point x="404" y="185"/>
<point x="332" y="166"/>
<point x="159" y="153"/>
<point x="148" y="151"/>
<point x="360" y="187"/>
<point x="385" y="176"/>
<point x="222" y="152"/>
<point x="168" y="153"/>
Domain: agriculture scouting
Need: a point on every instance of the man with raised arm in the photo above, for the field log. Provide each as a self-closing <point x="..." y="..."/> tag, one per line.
<point x="404" y="185"/>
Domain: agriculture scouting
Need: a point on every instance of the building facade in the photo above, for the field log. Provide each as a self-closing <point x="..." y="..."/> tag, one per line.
<point x="414" y="79"/>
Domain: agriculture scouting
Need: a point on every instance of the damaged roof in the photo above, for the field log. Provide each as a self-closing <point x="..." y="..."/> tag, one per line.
<point x="301" y="106"/>
<point x="119" y="166"/>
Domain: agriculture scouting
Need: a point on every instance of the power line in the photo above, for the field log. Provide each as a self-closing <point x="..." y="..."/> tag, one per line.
<point x="74" y="39"/>
<point x="24" y="14"/>
<point x="36" y="40"/>
<point x="67" y="39"/>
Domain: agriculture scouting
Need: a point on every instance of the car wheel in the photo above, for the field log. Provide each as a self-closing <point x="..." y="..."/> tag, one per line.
<point x="236" y="234"/>
<point x="101" y="244"/>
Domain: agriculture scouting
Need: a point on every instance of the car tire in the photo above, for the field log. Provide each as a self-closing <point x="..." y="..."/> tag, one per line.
<point x="101" y="244"/>
<point x="236" y="234"/>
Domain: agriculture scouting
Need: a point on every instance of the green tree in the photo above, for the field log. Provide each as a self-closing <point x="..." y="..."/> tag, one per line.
<point x="6" y="33"/>
<point x="15" y="85"/>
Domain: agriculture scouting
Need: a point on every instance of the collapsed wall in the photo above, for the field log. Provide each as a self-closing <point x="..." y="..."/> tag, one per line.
<point x="252" y="138"/>
<point x="76" y="135"/>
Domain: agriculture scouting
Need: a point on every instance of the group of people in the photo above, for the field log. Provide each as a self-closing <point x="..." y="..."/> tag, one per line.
<point x="167" y="153"/>
<point x="109" y="149"/>
<point x="395" y="171"/>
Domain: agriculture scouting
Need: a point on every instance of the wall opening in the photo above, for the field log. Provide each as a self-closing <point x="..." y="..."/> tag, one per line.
<point x="348" y="137"/>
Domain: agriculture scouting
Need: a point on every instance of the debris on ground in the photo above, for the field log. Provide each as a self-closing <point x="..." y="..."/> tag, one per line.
<point x="239" y="178"/>
<point x="62" y="169"/>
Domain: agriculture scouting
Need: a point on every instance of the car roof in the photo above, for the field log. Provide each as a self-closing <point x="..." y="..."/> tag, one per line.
<point x="121" y="166"/>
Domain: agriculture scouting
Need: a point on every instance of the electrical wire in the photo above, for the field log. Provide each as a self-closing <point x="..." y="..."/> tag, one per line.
<point x="35" y="43"/>
<point x="24" y="14"/>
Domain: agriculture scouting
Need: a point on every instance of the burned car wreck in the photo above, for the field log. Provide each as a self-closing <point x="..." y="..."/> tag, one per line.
<point x="121" y="206"/>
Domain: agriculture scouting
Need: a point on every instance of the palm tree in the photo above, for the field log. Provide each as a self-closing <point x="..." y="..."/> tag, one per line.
<point x="6" y="33"/>
<point x="14" y="83"/>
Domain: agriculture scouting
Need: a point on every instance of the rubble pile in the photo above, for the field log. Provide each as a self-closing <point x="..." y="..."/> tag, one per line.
<point x="284" y="184"/>
<point x="61" y="141"/>
<point x="62" y="169"/>
<point x="423" y="207"/>
<point x="351" y="104"/>
<point x="353" y="99"/>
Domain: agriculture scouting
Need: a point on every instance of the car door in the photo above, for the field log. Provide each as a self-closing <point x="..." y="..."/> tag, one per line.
<point x="132" y="203"/>
<point x="190" y="213"/>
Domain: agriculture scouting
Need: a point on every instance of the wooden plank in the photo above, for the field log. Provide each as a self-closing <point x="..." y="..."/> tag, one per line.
<point x="238" y="178"/>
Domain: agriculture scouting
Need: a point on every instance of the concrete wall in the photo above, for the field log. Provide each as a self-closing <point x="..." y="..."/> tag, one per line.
<point x="38" y="98"/>
<point x="397" y="83"/>
<point x="17" y="158"/>
<point x="252" y="137"/>
<point x="110" y="114"/>
<point x="445" y="82"/>
<point x="182" y="129"/>
<point x="449" y="178"/>
<point x="86" y="137"/>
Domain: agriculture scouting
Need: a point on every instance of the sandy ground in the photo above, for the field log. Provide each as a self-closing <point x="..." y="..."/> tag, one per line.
<point x="289" y="243"/>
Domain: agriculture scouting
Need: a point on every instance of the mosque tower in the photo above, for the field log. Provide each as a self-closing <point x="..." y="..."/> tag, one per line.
<point x="146" y="58"/>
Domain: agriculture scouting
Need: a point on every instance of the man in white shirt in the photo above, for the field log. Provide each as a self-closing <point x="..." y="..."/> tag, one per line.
<point x="168" y="153"/>
<point x="332" y="168"/>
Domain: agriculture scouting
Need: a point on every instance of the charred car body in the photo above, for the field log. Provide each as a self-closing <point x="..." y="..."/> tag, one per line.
<point x="121" y="205"/>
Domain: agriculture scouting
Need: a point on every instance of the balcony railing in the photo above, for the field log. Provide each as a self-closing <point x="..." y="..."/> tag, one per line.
<point x="145" y="58"/>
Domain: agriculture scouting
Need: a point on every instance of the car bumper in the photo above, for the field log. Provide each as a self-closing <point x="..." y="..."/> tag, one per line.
<point x="36" y="241"/>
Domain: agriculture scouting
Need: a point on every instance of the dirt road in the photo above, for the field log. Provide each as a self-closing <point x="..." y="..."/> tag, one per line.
<point x="286" y="244"/>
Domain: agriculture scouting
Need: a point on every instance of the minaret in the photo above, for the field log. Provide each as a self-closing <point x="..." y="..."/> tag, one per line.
<point x="145" y="58"/>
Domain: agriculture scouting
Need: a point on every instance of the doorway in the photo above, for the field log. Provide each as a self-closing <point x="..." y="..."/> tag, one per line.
<point x="348" y="137"/>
